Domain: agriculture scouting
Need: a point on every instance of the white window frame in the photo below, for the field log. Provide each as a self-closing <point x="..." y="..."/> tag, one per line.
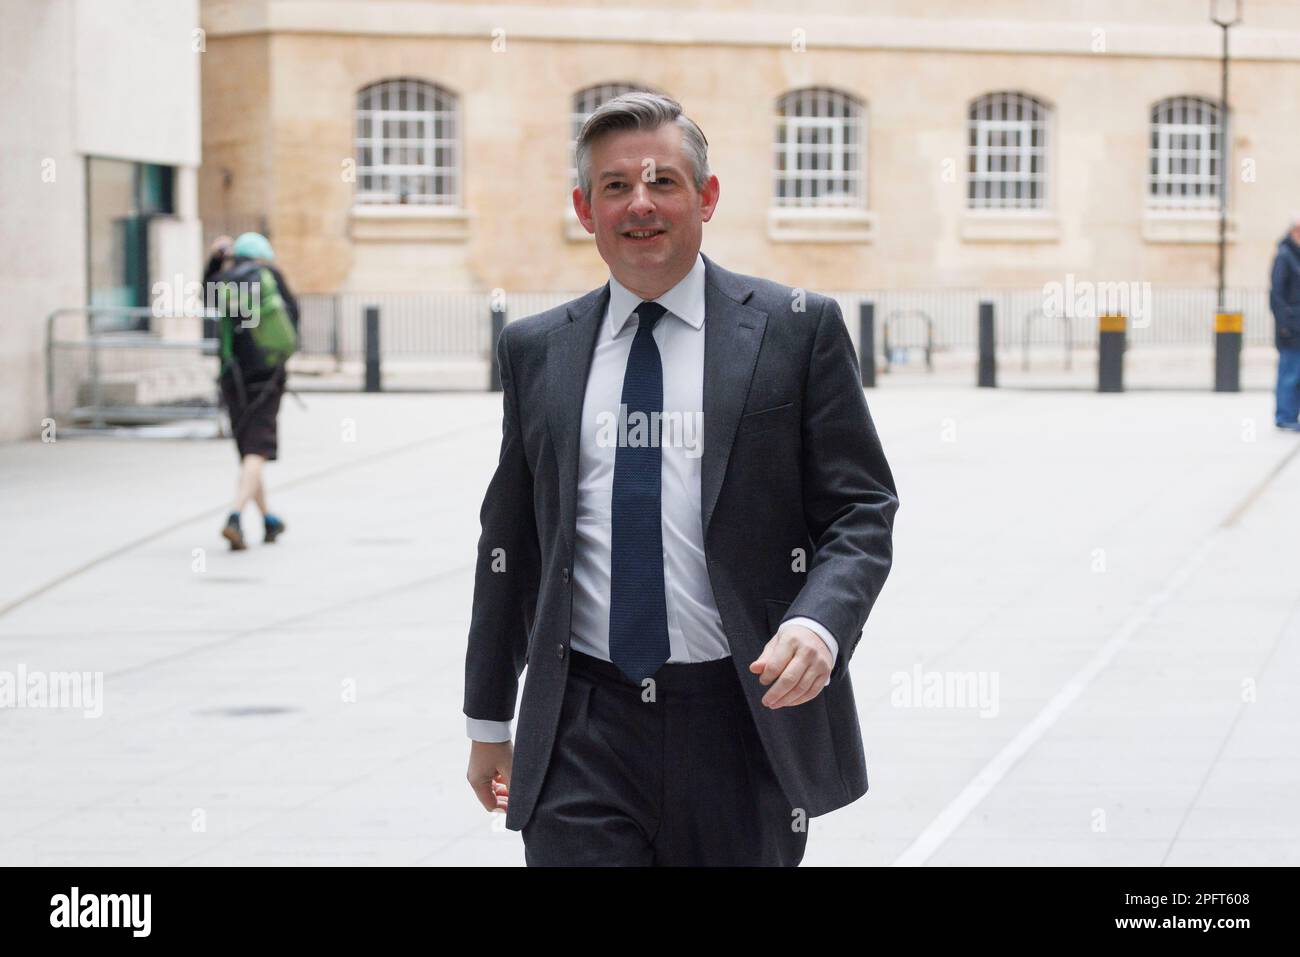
<point x="429" y="108"/>
<point x="832" y="114"/>
<point x="1177" y="191"/>
<point x="990" y="189"/>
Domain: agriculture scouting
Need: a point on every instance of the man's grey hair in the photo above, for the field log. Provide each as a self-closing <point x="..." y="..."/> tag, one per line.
<point x="640" y="110"/>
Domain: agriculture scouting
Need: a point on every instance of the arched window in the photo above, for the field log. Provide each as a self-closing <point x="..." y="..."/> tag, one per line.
<point x="820" y="149"/>
<point x="1183" y="170"/>
<point x="1007" y="162"/>
<point x="407" y="144"/>
<point x="585" y="102"/>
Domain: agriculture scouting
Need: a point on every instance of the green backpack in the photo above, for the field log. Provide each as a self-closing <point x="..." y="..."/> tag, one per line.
<point x="256" y="331"/>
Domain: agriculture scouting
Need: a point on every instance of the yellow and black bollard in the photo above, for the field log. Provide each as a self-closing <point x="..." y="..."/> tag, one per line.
<point x="1227" y="352"/>
<point x="1110" y="353"/>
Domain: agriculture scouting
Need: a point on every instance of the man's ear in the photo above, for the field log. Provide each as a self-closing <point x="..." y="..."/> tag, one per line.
<point x="709" y="198"/>
<point x="583" y="209"/>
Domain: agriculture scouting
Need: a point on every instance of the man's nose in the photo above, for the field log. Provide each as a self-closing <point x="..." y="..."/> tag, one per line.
<point x="641" y="201"/>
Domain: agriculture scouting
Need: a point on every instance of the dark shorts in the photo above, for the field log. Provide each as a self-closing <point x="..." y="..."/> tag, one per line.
<point x="253" y="421"/>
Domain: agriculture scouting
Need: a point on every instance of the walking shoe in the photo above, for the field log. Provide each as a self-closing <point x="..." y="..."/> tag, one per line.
<point x="233" y="533"/>
<point x="274" y="527"/>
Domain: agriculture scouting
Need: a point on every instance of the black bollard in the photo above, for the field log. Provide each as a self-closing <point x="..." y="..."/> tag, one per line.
<point x="498" y="324"/>
<point x="1110" y="353"/>
<point x="867" y="343"/>
<point x="1227" y="352"/>
<point x="372" y="349"/>
<point x="988" y="361"/>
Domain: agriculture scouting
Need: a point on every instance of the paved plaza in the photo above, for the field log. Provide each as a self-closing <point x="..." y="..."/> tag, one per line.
<point x="1114" y="574"/>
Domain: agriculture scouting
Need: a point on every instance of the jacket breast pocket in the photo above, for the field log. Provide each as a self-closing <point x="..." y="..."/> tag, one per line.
<point x="765" y="419"/>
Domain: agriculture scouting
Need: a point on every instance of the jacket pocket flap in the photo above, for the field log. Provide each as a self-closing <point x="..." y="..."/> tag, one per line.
<point x="765" y="418"/>
<point x="776" y="610"/>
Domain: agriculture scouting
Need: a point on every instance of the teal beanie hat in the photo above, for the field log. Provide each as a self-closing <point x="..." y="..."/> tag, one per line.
<point x="253" y="246"/>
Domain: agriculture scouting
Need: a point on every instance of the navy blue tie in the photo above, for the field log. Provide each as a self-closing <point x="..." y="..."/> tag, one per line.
<point x="638" y="610"/>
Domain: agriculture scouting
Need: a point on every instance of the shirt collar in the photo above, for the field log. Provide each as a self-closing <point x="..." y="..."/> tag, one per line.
<point x="685" y="300"/>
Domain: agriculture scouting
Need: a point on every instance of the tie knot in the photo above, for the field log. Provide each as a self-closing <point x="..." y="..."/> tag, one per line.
<point x="648" y="313"/>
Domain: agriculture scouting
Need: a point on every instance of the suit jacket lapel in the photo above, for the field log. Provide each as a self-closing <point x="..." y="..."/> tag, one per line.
<point x="733" y="332"/>
<point x="568" y="359"/>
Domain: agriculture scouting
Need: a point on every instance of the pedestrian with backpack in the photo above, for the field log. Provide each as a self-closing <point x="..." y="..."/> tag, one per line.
<point x="258" y="331"/>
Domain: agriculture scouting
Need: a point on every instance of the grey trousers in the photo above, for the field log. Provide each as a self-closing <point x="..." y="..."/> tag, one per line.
<point x="681" y="780"/>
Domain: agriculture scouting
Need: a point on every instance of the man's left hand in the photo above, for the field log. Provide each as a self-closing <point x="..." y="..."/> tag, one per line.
<point x="798" y="661"/>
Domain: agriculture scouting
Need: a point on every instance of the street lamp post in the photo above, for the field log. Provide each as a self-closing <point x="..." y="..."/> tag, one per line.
<point x="1218" y="11"/>
<point x="1227" y="326"/>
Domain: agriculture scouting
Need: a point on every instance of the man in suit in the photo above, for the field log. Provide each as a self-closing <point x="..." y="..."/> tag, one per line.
<point x="689" y="523"/>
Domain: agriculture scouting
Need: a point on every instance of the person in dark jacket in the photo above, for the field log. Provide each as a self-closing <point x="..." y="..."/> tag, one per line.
<point x="1284" y="300"/>
<point x="251" y="391"/>
<point x="221" y="258"/>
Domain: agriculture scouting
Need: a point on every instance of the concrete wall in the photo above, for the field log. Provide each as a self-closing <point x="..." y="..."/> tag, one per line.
<point x="137" y="79"/>
<point x="117" y="78"/>
<point x="42" y="185"/>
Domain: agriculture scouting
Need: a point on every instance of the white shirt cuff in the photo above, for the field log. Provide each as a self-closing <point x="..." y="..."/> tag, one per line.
<point x="480" y="729"/>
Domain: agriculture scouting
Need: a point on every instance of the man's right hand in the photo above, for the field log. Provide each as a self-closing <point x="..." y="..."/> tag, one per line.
<point x="489" y="772"/>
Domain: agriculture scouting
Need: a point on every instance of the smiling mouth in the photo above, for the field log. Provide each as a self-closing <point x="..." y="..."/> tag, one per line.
<point x="643" y="235"/>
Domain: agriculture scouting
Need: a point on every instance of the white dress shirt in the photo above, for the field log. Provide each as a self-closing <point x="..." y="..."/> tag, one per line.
<point x="694" y="626"/>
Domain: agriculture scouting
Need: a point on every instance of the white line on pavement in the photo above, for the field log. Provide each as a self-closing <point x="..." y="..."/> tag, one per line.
<point x="951" y="817"/>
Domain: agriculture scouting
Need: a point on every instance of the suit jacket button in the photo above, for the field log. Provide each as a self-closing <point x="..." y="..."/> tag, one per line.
<point x="559" y="650"/>
<point x="564" y="574"/>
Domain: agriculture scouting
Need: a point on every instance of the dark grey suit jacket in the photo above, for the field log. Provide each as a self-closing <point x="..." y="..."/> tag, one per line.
<point x="791" y="461"/>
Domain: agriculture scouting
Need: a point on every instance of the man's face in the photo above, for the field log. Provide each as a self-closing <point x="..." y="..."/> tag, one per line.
<point x="1295" y="233"/>
<point x="642" y="182"/>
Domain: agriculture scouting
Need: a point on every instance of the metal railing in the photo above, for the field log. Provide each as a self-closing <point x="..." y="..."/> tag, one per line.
<point x="106" y="376"/>
<point x="1047" y="326"/>
<point x="907" y="329"/>
<point x="100" y="377"/>
<point x="1178" y="316"/>
<point x="449" y="325"/>
<point x="458" y="325"/>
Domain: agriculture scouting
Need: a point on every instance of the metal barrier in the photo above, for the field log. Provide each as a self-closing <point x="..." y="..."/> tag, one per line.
<point x="894" y="342"/>
<point x="1026" y="339"/>
<point x="451" y="325"/>
<point x="1177" y="316"/>
<point x="442" y="340"/>
<point x="456" y="325"/>
<point x="102" y="378"/>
